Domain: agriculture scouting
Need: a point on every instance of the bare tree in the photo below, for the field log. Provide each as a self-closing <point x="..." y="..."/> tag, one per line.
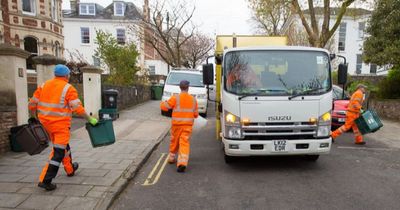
<point x="319" y="36"/>
<point x="270" y="15"/>
<point x="166" y="27"/>
<point x="196" y="50"/>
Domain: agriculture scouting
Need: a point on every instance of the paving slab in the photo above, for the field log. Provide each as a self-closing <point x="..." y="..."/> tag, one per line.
<point x="72" y="190"/>
<point x="10" y="187"/>
<point x="11" y="177"/>
<point x="93" y="172"/>
<point x="10" y="169"/>
<point x="81" y="203"/>
<point x="42" y="202"/>
<point x="11" y="200"/>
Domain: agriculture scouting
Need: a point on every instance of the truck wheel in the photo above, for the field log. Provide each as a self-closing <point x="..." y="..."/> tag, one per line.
<point x="311" y="157"/>
<point x="229" y="159"/>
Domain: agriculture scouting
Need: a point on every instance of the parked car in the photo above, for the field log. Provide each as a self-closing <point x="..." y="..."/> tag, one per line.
<point x="196" y="89"/>
<point x="340" y="103"/>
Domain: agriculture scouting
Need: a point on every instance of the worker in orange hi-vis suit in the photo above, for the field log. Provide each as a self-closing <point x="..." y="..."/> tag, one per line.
<point x="353" y="112"/>
<point x="184" y="110"/>
<point x="53" y="103"/>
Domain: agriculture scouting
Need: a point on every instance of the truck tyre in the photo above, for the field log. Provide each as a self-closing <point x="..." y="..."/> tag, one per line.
<point x="229" y="159"/>
<point x="312" y="158"/>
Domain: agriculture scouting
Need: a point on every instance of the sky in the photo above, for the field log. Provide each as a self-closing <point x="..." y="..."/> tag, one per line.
<point x="212" y="16"/>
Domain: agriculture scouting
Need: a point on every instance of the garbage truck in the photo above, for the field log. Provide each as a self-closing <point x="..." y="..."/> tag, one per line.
<point x="271" y="99"/>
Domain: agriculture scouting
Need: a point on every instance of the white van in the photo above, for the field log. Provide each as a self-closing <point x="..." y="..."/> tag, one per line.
<point x="196" y="88"/>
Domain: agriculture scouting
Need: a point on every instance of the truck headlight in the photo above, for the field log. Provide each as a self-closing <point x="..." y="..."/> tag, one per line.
<point x="201" y="96"/>
<point x="324" y="125"/>
<point x="233" y="128"/>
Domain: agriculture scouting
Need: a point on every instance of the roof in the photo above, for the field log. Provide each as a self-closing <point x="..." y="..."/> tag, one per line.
<point x="131" y="12"/>
<point x="335" y="11"/>
<point x="287" y="48"/>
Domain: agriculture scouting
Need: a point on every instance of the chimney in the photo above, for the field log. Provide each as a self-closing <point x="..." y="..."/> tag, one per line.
<point x="74" y="5"/>
<point x="146" y="11"/>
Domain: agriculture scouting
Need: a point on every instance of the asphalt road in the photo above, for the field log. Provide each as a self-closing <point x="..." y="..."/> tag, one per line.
<point x="351" y="177"/>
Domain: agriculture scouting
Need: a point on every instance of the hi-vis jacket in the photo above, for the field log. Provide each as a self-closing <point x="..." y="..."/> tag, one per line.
<point x="184" y="108"/>
<point x="55" y="100"/>
<point x="356" y="101"/>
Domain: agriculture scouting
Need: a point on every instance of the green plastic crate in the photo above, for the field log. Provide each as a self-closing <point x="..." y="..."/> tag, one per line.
<point x="368" y="122"/>
<point x="102" y="133"/>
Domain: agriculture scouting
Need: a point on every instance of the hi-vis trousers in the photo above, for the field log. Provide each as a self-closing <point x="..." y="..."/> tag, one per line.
<point x="349" y="123"/>
<point x="61" y="153"/>
<point x="180" y="143"/>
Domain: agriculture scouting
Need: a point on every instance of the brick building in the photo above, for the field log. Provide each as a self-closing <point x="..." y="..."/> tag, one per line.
<point x="35" y="26"/>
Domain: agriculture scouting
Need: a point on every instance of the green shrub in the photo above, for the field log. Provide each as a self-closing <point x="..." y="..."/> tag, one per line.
<point x="389" y="88"/>
<point x="373" y="89"/>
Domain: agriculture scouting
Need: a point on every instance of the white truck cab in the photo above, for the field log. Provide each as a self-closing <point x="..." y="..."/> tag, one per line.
<point x="196" y="87"/>
<point x="274" y="101"/>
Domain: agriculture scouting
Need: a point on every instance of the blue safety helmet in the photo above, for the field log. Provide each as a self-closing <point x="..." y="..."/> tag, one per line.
<point x="61" y="70"/>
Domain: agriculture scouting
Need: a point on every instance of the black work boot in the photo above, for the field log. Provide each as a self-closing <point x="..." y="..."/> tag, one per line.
<point x="181" y="169"/>
<point x="47" y="186"/>
<point x="75" y="166"/>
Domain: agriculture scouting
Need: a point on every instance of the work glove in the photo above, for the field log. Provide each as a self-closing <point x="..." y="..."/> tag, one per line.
<point x="93" y="121"/>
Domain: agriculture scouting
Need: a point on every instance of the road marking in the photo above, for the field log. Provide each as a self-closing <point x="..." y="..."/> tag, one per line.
<point x="148" y="181"/>
<point x="367" y="148"/>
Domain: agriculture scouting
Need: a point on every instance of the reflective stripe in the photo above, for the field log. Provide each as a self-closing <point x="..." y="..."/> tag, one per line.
<point x="55" y="163"/>
<point x="74" y="103"/>
<point x="194" y="104"/>
<point x="357" y="99"/>
<point x="34" y="99"/>
<point x="64" y="93"/>
<point x="57" y="114"/>
<point x="167" y="105"/>
<point x="51" y="105"/>
<point x="184" y="110"/>
<point x="60" y="146"/>
<point x="178" y="103"/>
<point x="183" y="119"/>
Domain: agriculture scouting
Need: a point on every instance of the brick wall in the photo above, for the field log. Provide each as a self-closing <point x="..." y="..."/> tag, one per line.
<point x="129" y="96"/>
<point x="388" y="109"/>
<point x="8" y="119"/>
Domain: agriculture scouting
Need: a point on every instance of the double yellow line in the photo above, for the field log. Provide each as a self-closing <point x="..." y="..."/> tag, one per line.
<point x="151" y="180"/>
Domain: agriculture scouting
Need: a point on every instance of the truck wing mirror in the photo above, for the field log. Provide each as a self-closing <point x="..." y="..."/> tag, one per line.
<point x="208" y="74"/>
<point x="342" y="74"/>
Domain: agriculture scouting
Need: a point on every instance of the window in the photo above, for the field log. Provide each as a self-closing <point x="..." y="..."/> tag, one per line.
<point x="372" y="68"/>
<point x="31" y="45"/>
<point x="87" y="9"/>
<point x="54" y="10"/>
<point x="152" y="70"/>
<point x="359" y="64"/>
<point x="361" y="28"/>
<point x="96" y="61"/>
<point x="119" y="8"/>
<point x="85" y="35"/>
<point x="29" y="6"/>
<point x="57" y="49"/>
<point x="342" y="36"/>
<point x="121" y="36"/>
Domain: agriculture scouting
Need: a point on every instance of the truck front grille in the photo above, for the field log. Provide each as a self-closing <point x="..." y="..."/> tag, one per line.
<point x="285" y="130"/>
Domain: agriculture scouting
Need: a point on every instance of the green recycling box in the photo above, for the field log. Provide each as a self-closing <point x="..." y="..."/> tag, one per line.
<point x="368" y="122"/>
<point x="102" y="133"/>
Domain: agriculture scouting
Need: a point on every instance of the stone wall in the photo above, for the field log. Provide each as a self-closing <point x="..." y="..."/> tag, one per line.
<point x="129" y="96"/>
<point x="388" y="109"/>
<point x="8" y="119"/>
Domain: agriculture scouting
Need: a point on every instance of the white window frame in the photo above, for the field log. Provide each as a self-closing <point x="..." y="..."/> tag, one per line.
<point x="342" y="37"/>
<point x="83" y="43"/>
<point x="87" y="6"/>
<point x="361" y="29"/>
<point x="359" y="63"/>
<point x="122" y="4"/>
<point x="124" y="35"/>
<point x="33" y="7"/>
<point x="152" y="70"/>
<point x="54" y="10"/>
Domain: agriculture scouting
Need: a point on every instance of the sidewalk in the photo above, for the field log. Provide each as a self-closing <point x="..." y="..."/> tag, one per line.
<point x="102" y="173"/>
<point x="388" y="134"/>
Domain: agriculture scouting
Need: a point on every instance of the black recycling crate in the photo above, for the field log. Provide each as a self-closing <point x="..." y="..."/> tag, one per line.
<point x="32" y="138"/>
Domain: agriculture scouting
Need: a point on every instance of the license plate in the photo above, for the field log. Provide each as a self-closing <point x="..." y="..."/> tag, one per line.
<point x="341" y="119"/>
<point x="280" y="145"/>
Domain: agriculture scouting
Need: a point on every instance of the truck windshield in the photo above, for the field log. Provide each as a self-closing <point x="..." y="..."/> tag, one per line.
<point x="276" y="72"/>
<point x="196" y="80"/>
